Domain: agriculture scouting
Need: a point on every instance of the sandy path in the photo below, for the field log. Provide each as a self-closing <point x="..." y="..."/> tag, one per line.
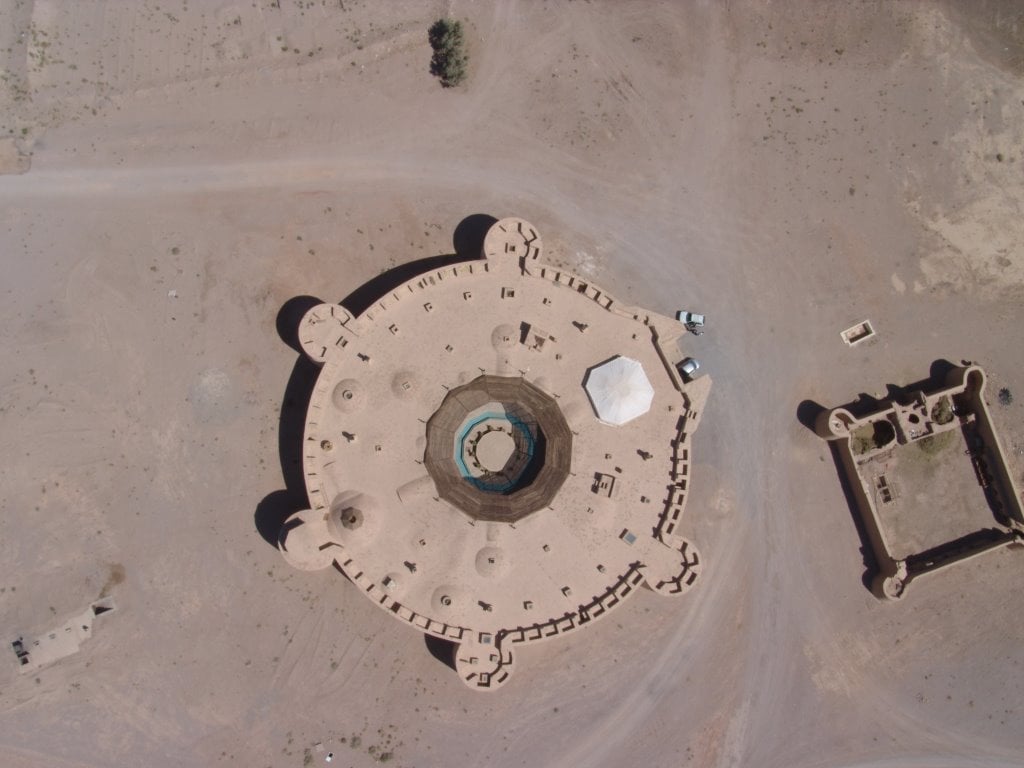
<point x="683" y="156"/>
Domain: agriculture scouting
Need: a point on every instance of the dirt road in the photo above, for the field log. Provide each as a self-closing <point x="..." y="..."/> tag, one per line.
<point x="788" y="170"/>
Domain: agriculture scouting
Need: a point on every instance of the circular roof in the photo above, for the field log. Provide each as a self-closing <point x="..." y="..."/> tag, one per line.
<point x="497" y="452"/>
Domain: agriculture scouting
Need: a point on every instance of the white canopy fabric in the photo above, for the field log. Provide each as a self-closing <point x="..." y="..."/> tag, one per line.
<point x="619" y="390"/>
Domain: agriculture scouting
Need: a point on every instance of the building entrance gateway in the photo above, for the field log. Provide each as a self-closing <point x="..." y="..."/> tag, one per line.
<point x="497" y="452"/>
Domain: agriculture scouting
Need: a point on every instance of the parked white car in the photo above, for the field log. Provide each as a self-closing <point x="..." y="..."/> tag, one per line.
<point x="693" y="322"/>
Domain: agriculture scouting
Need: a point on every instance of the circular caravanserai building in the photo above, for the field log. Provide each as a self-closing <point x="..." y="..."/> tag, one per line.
<point x="497" y="452"/>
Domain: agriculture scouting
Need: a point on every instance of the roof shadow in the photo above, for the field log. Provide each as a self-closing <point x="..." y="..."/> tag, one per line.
<point x="468" y="242"/>
<point x="290" y="316"/>
<point x="468" y="238"/>
<point x="271" y="513"/>
<point x="276" y="507"/>
<point x="363" y="297"/>
<point x="867" y="551"/>
<point x="441" y="649"/>
<point x="807" y="413"/>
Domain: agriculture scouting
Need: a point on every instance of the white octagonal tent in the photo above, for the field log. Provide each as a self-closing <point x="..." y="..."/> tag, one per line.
<point x="619" y="390"/>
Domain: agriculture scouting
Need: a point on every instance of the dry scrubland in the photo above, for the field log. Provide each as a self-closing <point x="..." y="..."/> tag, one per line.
<point x="789" y="168"/>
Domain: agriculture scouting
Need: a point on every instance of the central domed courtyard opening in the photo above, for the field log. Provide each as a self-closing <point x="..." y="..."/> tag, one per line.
<point x="494" y="450"/>
<point x="498" y="448"/>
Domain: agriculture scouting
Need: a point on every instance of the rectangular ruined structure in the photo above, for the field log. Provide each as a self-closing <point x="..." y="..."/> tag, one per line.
<point x="855" y="334"/>
<point x="929" y="478"/>
<point x="60" y="642"/>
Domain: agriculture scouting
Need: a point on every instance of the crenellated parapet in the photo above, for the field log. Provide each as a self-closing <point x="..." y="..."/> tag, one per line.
<point x="487" y="451"/>
<point x="945" y="433"/>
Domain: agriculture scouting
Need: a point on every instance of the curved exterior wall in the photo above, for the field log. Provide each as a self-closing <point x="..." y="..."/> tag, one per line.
<point x="611" y="524"/>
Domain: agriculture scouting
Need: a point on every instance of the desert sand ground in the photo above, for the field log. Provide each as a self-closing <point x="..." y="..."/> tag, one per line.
<point x="788" y="168"/>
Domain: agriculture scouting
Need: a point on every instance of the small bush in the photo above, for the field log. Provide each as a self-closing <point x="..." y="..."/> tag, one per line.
<point x="934" y="444"/>
<point x="861" y="445"/>
<point x="942" y="413"/>
<point x="876" y="434"/>
<point x="450" y="58"/>
<point x="1005" y="397"/>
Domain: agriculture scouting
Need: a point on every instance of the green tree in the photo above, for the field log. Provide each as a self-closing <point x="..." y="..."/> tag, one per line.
<point x="449" y="60"/>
